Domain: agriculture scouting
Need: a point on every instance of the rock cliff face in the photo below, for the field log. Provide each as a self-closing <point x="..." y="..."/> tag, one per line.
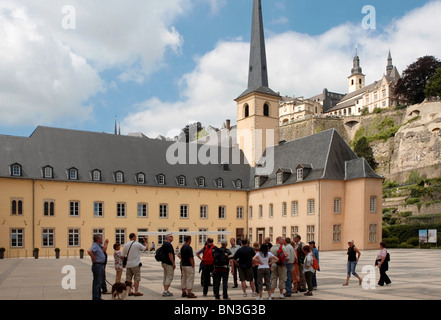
<point x="417" y="144"/>
<point x="414" y="146"/>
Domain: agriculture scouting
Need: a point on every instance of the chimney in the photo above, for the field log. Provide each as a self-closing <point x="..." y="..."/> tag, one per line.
<point x="228" y="124"/>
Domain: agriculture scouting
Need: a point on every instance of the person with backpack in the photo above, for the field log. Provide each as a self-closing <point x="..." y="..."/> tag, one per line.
<point x="222" y="262"/>
<point x="308" y="269"/>
<point x="382" y="262"/>
<point x="208" y="263"/>
<point x="315" y="254"/>
<point x="168" y="264"/>
<point x="278" y="270"/>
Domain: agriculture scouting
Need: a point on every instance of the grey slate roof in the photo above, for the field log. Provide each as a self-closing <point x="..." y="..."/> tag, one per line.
<point x="323" y="156"/>
<point x="326" y="153"/>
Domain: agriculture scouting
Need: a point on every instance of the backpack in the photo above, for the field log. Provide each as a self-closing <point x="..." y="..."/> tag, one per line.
<point x="315" y="264"/>
<point x="208" y="258"/>
<point x="281" y="256"/>
<point x="220" y="257"/>
<point x="158" y="255"/>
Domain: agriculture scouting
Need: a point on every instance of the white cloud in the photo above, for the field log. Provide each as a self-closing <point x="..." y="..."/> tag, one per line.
<point x="298" y="64"/>
<point x="48" y="73"/>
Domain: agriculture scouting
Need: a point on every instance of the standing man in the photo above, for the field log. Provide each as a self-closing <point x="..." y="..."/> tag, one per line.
<point x="300" y="260"/>
<point x="245" y="257"/>
<point x="234" y="247"/>
<point x="278" y="270"/>
<point x="289" y="266"/>
<point x="187" y="262"/>
<point x="222" y="260"/>
<point x="98" y="257"/>
<point x="208" y="263"/>
<point x="132" y="250"/>
<point x="168" y="264"/>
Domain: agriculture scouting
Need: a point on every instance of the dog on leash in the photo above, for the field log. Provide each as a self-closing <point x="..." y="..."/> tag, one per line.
<point x="120" y="290"/>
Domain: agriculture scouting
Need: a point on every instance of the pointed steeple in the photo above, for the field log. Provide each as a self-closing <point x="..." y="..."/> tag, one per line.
<point x="390" y="66"/>
<point x="258" y="72"/>
<point x="356" y="66"/>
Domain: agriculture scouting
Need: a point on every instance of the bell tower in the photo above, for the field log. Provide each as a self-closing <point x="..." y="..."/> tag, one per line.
<point x="357" y="78"/>
<point x="258" y="105"/>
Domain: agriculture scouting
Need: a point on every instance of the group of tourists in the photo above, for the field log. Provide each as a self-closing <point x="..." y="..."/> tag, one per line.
<point x="289" y="265"/>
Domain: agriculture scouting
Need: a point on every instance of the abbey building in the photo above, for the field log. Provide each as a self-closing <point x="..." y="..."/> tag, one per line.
<point x="59" y="187"/>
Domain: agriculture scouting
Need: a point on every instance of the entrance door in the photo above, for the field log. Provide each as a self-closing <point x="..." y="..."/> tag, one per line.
<point x="261" y="235"/>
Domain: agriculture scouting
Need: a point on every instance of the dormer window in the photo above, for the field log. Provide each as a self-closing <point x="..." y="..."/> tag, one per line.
<point x="201" y="182"/>
<point x="160" y="179"/>
<point x="119" y="176"/>
<point x="96" y="175"/>
<point x="299" y="174"/>
<point x="238" y="184"/>
<point x="48" y="172"/>
<point x="16" y="170"/>
<point x="219" y="183"/>
<point x="73" y="174"/>
<point x="256" y="181"/>
<point x="181" y="180"/>
<point x="279" y="177"/>
<point x="140" y="178"/>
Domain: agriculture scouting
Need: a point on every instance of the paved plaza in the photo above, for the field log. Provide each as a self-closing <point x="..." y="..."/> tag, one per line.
<point x="415" y="275"/>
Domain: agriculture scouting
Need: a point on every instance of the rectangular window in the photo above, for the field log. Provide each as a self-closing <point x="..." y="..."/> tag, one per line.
<point x="202" y="237"/>
<point x="182" y="236"/>
<point x="294" y="208"/>
<point x="98" y="209"/>
<point x="48" y="238"/>
<point x="250" y="212"/>
<point x="336" y="233"/>
<point x="271" y="213"/>
<point x="284" y="210"/>
<point x="120" y="236"/>
<point x="161" y="237"/>
<point x="222" y="212"/>
<point x="184" y="212"/>
<point x="142" y="210"/>
<point x="221" y="237"/>
<point x="16" y="207"/>
<point x="73" y="238"/>
<point x="311" y="206"/>
<point x="372" y="233"/>
<point x="373" y="205"/>
<point x="260" y="211"/>
<point x="17" y="238"/>
<point x="337" y="205"/>
<point x="294" y="231"/>
<point x="310" y="233"/>
<point x="121" y="209"/>
<point x="163" y="211"/>
<point x="49" y="208"/>
<point x="239" y="212"/>
<point x="74" y="208"/>
<point x="204" y="212"/>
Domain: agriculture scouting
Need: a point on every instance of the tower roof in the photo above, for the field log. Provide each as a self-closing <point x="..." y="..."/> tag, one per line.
<point x="258" y="72"/>
<point x="356" y="66"/>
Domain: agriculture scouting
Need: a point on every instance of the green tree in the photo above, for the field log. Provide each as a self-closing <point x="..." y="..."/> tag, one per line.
<point x="364" y="150"/>
<point x="433" y="87"/>
<point x="415" y="78"/>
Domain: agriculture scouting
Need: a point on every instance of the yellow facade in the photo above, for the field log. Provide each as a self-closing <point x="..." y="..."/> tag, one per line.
<point x="75" y="220"/>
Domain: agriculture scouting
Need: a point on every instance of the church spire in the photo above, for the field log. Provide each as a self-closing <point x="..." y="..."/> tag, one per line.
<point x="356" y="66"/>
<point x="258" y="72"/>
<point x="390" y="66"/>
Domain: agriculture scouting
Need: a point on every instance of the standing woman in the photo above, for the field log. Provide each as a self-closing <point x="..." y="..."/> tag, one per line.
<point x="382" y="262"/>
<point x="353" y="256"/>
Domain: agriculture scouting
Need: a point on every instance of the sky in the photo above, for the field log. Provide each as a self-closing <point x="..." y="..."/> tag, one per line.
<point x="156" y="66"/>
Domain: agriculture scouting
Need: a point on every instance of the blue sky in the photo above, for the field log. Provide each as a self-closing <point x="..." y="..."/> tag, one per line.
<point x="159" y="65"/>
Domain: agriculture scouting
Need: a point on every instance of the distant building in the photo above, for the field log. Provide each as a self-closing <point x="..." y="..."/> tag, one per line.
<point x="360" y="97"/>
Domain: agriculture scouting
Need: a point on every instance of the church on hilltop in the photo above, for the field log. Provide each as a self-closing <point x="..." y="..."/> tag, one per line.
<point x="59" y="187"/>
